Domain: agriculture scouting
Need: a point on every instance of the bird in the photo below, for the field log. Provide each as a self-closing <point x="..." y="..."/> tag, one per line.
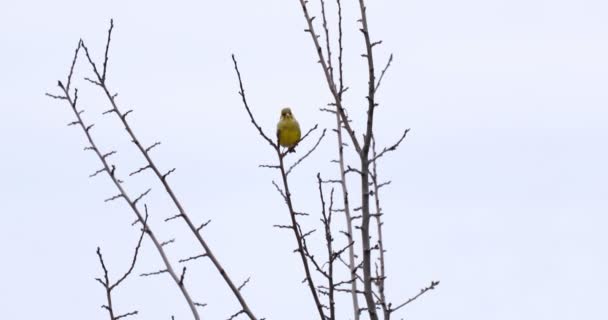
<point x="288" y="130"/>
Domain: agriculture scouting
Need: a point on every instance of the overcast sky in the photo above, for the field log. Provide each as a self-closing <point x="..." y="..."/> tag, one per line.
<point x="499" y="190"/>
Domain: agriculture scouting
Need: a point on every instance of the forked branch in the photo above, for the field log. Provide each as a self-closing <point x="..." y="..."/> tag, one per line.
<point x="102" y="83"/>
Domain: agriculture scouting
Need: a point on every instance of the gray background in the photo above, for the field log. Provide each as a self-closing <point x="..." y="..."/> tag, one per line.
<point x="499" y="190"/>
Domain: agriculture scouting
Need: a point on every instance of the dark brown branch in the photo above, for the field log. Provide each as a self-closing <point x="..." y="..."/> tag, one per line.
<point x="152" y="146"/>
<point x="181" y="278"/>
<point x="97" y="172"/>
<point x="242" y="94"/>
<point x="69" y="81"/>
<point x="204" y="224"/>
<point x="155" y="273"/>
<point x="173" y="217"/>
<point x="113" y="198"/>
<point x="141" y="196"/>
<point x="236" y="315"/>
<point x="192" y="258"/>
<point x="134" y="260"/>
<point x="132" y="313"/>
<point x="106" y="282"/>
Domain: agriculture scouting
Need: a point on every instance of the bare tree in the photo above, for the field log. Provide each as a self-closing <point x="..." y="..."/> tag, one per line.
<point x="363" y="260"/>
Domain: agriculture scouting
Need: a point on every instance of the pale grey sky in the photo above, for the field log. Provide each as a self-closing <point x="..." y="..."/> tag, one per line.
<point x="499" y="190"/>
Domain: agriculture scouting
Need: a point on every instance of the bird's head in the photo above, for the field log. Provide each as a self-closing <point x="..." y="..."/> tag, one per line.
<point x="286" y="113"/>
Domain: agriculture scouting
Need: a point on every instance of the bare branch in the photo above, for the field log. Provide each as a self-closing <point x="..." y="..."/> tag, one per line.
<point x="135" y="255"/>
<point x="173" y="217"/>
<point x="108" y="154"/>
<point x="422" y="291"/>
<point x="388" y="64"/>
<point x="181" y="278"/>
<point x="141" y="196"/>
<point x="152" y="146"/>
<point x="164" y="177"/>
<point x="279" y="190"/>
<point x="114" y="197"/>
<point x="154" y="273"/>
<point x="204" y="224"/>
<point x="391" y="148"/>
<point x="122" y="193"/>
<point x="105" y="60"/>
<point x="192" y="258"/>
<point x="97" y="172"/>
<point x="139" y="170"/>
<point x="328" y="76"/>
<point x="232" y="317"/>
<point x="55" y="96"/>
<point x="164" y="243"/>
<point x="132" y="313"/>
<point x="244" y="283"/>
<point x="242" y="94"/>
<point x="307" y="154"/>
<point x="69" y="81"/>
<point x="269" y="166"/>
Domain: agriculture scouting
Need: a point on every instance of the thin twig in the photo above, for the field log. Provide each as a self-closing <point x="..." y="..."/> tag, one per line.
<point x="390" y="148"/>
<point x="295" y="164"/>
<point x="388" y="64"/>
<point x="242" y="94"/>
<point x="381" y="274"/>
<point x="326" y="219"/>
<point x="422" y="291"/>
<point x="286" y="196"/>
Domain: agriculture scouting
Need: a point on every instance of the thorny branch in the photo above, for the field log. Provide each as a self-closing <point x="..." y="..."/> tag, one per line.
<point x="101" y="82"/>
<point x="110" y="169"/>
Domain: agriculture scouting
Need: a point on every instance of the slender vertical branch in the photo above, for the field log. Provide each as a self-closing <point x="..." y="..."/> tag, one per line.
<point x="340" y="54"/>
<point x="298" y="236"/>
<point x="381" y="276"/>
<point x="326" y="71"/>
<point x="162" y="177"/>
<point x="343" y="185"/>
<point x="326" y="219"/>
<point x="327" y="42"/>
<point x="361" y="148"/>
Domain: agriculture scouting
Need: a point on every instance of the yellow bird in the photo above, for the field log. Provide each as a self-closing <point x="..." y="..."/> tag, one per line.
<point x="288" y="129"/>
